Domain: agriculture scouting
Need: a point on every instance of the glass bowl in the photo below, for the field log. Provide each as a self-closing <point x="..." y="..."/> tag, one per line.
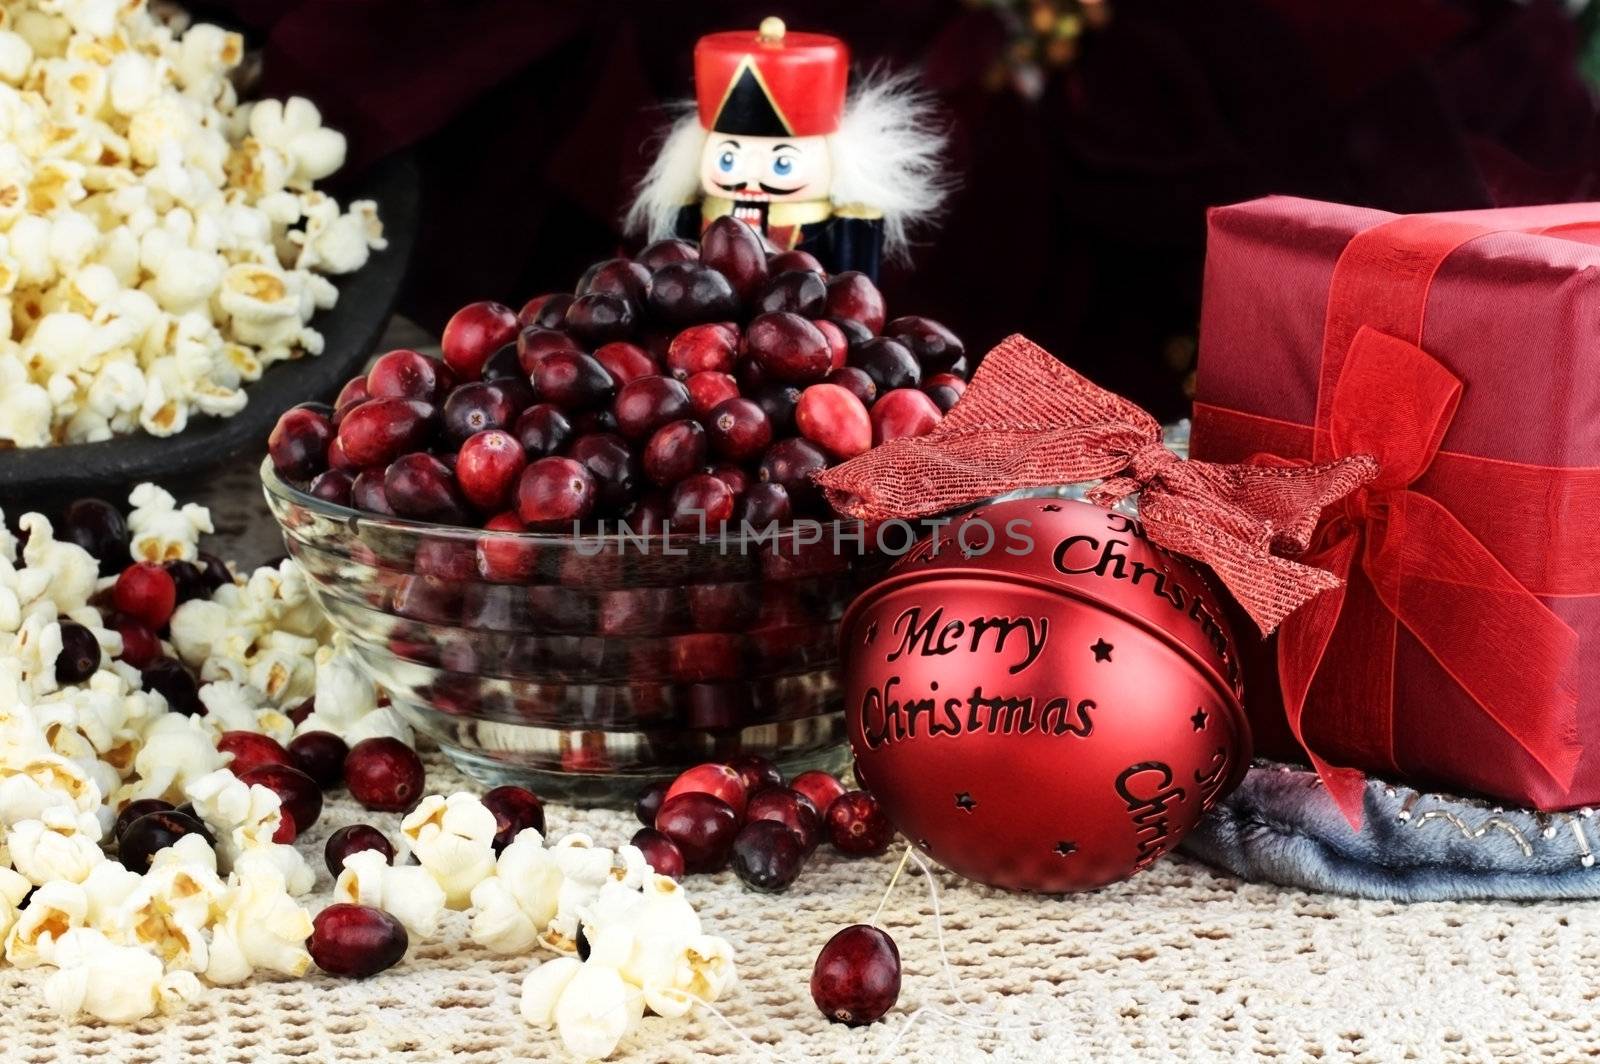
<point x="584" y="666"/>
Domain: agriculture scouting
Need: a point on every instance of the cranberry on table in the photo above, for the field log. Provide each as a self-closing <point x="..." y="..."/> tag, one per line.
<point x="298" y="444"/>
<point x="168" y="678"/>
<point x="151" y="833"/>
<point x="367" y="493"/>
<point x="665" y="252"/>
<point x="764" y="504"/>
<point x="787" y="806"/>
<point x="660" y="852"/>
<point x="356" y="941"/>
<point x="515" y="810"/>
<point x="598" y="318"/>
<point x="140" y="645"/>
<point x="788" y="347"/>
<point x="738" y="429"/>
<point x="613" y="466"/>
<point x="542" y="430"/>
<point x="251" y="750"/>
<point x="354" y="838"/>
<point x="675" y="451"/>
<point x="552" y="493"/>
<point x="709" y="348"/>
<point x="683" y="293"/>
<point x="904" y="412"/>
<point x="933" y="345"/>
<point x="421" y="486"/>
<point x="853" y="295"/>
<point x="856" y="382"/>
<point x="646" y="403"/>
<point x="320" y="755"/>
<point x="333" y="485"/>
<point x="299" y="794"/>
<point x="134" y="810"/>
<point x="624" y="361"/>
<point x="820" y="787"/>
<point x="99" y="528"/>
<point x="767" y="855"/>
<point x="795" y="292"/>
<point x="648" y="804"/>
<point x="702" y="826"/>
<point x="757" y="772"/>
<point x="572" y="380"/>
<point x="701" y="500"/>
<point x="857" y="825"/>
<point x="731" y="247"/>
<point x="835" y="420"/>
<point x="889" y="363"/>
<point x="407" y="374"/>
<point x="80" y="654"/>
<point x="476" y="406"/>
<point x="713" y="778"/>
<point x="384" y="774"/>
<point x="380" y="430"/>
<point x="488" y="467"/>
<point x="856" y="979"/>
<point x="475" y="332"/>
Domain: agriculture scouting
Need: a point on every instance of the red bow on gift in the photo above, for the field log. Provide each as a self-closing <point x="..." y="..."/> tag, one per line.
<point x="1027" y="420"/>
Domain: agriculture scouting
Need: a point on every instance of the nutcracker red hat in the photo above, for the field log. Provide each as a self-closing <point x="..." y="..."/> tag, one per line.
<point x="770" y="83"/>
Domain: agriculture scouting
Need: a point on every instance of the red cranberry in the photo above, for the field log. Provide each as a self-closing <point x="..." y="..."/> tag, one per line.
<point x="168" y="678"/>
<point x="406" y="374"/>
<point x="683" y="293"/>
<point x="535" y="344"/>
<point x="856" y="980"/>
<point x="648" y="515"/>
<point x="764" y="504"/>
<point x="645" y="404"/>
<point x="857" y="825"/>
<point x="856" y="382"/>
<point x="553" y="493"/>
<point x="791" y="464"/>
<point x="711" y="778"/>
<point x="545" y="311"/>
<point x="736" y="477"/>
<point x="732" y="247"/>
<point x="352" y="395"/>
<point x="838" y="343"/>
<point x="794" y="292"/>
<point x="367" y="493"/>
<point x="778" y="400"/>
<point x="820" y="787"/>
<point x="477" y="406"/>
<point x="591" y="421"/>
<point x="488" y="467"/>
<point x="945" y="389"/>
<point x="599" y="318"/>
<point x="701" y="501"/>
<point x="146" y="592"/>
<point x="134" y="810"/>
<point x="299" y="794"/>
<point x="251" y="750"/>
<point x="504" y="365"/>
<point x="299" y="443"/>
<point x="503" y="559"/>
<point x="904" y="412"/>
<point x="572" y="380"/>
<point x="664" y="252"/>
<point x="790" y="808"/>
<point x="140" y="645"/>
<point x="380" y="430"/>
<point x="853" y="295"/>
<point x="757" y="772"/>
<point x="474" y="333"/>
<point x="933" y="345"/>
<point x="795" y="259"/>
<point x="767" y="856"/>
<point x="623" y="278"/>
<point x="834" y="420"/>
<point x="299" y="713"/>
<point x="675" y="451"/>
<point x="709" y="348"/>
<point x="612" y="465"/>
<point x="649" y="802"/>
<point x="320" y="755"/>
<point x="356" y="941"/>
<point x="515" y="810"/>
<point x="80" y="653"/>
<point x="421" y="486"/>
<point x="332" y="485"/>
<point x="355" y="838"/>
<point x="338" y="459"/>
<point x="660" y="852"/>
<point x="542" y="430"/>
<point x="384" y="774"/>
<point x="789" y="348"/>
<point x="702" y="826"/>
<point x="738" y="429"/>
<point x="153" y="832"/>
<point x="99" y="528"/>
<point x="625" y="362"/>
<point x="889" y="363"/>
<point x="709" y="388"/>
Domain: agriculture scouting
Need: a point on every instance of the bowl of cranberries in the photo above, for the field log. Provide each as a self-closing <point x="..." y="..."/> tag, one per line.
<point x="583" y="548"/>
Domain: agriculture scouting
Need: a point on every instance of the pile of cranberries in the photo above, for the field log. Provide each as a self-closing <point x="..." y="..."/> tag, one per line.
<point x="692" y="385"/>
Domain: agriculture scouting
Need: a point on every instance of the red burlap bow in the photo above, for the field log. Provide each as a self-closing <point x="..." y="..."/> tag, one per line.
<point x="1027" y="421"/>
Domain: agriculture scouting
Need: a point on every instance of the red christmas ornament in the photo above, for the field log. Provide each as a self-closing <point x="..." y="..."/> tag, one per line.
<point x="1043" y="699"/>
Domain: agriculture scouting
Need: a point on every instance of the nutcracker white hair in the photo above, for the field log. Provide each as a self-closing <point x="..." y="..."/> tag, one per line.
<point x="887" y="156"/>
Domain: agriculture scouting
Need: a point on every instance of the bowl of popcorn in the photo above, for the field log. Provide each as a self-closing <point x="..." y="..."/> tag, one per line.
<point x="584" y="549"/>
<point x="167" y="261"/>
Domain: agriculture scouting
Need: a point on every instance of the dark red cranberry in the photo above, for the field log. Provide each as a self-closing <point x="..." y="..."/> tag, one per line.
<point x="778" y="400"/>
<point x="151" y="833"/>
<point x="474" y="407"/>
<point x="552" y="493"/>
<point x="660" y="852"/>
<point x="338" y="459"/>
<point x="504" y="365"/>
<point x="613" y="466"/>
<point x="708" y="348"/>
<point x="147" y="593"/>
<point x="889" y="363"/>
<point x="320" y="755"/>
<point x="767" y="856"/>
<point x="853" y="295"/>
<point x="820" y="787"/>
<point x="791" y="463"/>
<point x="187" y="581"/>
<point x="857" y="825"/>
<point x="545" y="311"/>
<point x="597" y="420"/>
<point x="355" y="838"/>
<point x="80" y="654"/>
<point x="134" y="810"/>
<point x="542" y="430"/>
<point x="795" y="259"/>
<point x="535" y="344"/>
<point x="406" y="374"/>
<point x="623" y="278"/>
<point x="835" y="420"/>
<point x="352" y="395"/>
<point x="736" y="477"/>
<point x="140" y="645"/>
<point x="732" y="247"/>
<point x="702" y="827"/>
<point x="713" y="778"/>
<point x="625" y="362"/>
<point x="856" y="979"/>
<point x="933" y="345"/>
<point x="515" y="810"/>
<point x="790" y="808"/>
<point x="738" y="429"/>
<point x="299" y="794"/>
<point x="904" y="412"/>
<point x="789" y="348"/>
<point x="356" y="941"/>
<point x="763" y="504"/>
<point x="251" y="750"/>
<point x="598" y="318"/>
<point x="384" y="774"/>
<point x="856" y="382"/>
<point x="649" y="802"/>
<point x="838" y="343"/>
<point x="794" y="292"/>
<point x="475" y="332"/>
<point x="502" y="559"/>
<point x="675" y="451"/>
<point x="381" y="430"/>
<point x="299" y="443"/>
<point x="682" y="293"/>
<point x="421" y="486"/>
<point x="645" y="404"/>
<point x="700" y="501"/>
<point x="99" y="528"/>
<point x="367" y="493"/>
<point x="709" y="388"/>
<point x="648" y="515"/>
<point x="332" y="485"/>
<point x="488" y="467"/>
<point x="572" y="380"/>
<point x="213" y="571"/>
<point x="757" y="772"/>
<point x="664" y="252"/>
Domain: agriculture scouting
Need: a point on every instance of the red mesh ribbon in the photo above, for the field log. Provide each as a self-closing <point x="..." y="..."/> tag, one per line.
<point x="1027" y="421"/>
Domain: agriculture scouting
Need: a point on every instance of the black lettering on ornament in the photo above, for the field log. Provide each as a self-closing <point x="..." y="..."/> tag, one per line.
<point x="936" y="637"/>
<point x="1146" y="789"/>
<point x="1084" y="555"/>
<point x="886" y="718"/>
<point x="1210" y="778"/>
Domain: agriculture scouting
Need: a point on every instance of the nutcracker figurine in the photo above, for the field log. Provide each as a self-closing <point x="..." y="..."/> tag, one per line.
<point x="776" y="140"/>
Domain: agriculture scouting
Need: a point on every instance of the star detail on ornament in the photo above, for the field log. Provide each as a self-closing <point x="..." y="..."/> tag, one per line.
<point x="1066" y="849"/>
<point x="1050" y="508"/>
<point x="872" y="631"/>
<point x="965" y="802"/>
<point x="1199" y="719"/>
<point x="1102" y="650"/>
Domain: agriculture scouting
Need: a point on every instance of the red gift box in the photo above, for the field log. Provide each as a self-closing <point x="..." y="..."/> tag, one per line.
<point x="1451" y="347"/>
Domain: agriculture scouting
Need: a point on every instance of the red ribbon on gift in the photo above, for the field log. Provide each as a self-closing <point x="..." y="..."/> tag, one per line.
<point x="1027" y="420"/>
